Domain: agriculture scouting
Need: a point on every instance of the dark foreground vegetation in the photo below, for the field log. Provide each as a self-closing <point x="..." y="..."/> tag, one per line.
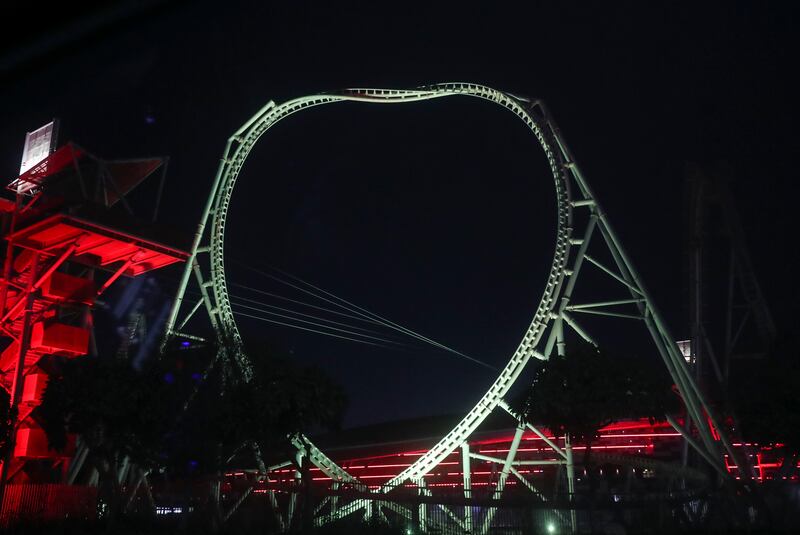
<point x="183" y="422"/>
<point x="147" y="526"/>
<point x="133" y="526"/>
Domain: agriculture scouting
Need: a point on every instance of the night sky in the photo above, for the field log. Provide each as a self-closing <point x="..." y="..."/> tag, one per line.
<point x="437" y="215"/>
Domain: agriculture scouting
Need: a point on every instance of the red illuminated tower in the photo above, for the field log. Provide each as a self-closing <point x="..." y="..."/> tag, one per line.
<point x="70" y="233"/>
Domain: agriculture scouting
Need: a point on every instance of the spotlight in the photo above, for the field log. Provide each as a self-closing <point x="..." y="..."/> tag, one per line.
<point x="551" y="528"/>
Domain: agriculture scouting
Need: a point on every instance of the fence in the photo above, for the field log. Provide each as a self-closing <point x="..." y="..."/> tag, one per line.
<point x="47" y="502"/>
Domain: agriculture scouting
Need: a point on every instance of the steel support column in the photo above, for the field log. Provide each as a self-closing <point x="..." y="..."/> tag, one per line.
<point x="467" y="477"/>
<point x="570" y="472"/>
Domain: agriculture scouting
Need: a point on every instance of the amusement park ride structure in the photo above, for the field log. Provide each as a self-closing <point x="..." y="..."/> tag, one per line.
<point x="585" y="241"/>
<point x="70" y="233"/>
<point x="747" y="331"/>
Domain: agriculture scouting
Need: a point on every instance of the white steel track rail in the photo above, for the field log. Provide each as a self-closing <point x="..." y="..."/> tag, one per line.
<point x="553" y="312"/>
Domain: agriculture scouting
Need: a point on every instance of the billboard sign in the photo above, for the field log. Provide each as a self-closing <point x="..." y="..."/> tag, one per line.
<point x="38" y="146"/>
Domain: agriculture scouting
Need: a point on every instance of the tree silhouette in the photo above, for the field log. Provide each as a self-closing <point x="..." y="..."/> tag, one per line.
<point x="231" y="421"/>
<point x="118" y="412"/>
<point x="769" y="412"/>
<point x="175" y="416"/>
<point x="587" y="389"/>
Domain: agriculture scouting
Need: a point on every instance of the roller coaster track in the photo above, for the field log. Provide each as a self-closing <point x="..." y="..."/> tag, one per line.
<point x="554" y="311"/>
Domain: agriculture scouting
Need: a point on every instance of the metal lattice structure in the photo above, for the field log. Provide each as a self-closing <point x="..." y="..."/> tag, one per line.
<point x="545" y="333"/>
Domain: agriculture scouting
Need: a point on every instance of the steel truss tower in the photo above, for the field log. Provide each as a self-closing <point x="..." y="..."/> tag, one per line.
<point x="749" y="330"/>
<point x="70" y="235"/>
<point x="580" y="221"/>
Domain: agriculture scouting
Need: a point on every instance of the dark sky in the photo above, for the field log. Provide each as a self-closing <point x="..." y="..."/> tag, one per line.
<point x="436" y="215"/>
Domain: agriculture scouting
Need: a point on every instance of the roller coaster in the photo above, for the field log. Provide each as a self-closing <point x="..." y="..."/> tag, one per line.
<point x="584" y="240"/>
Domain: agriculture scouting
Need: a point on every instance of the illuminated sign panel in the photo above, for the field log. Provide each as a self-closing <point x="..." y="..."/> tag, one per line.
<point x="685" y="347"/>
<point x="38" y="145"/>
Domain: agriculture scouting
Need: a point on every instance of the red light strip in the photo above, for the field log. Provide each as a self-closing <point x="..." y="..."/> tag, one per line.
<point x="642" y="435"/>
<point x="609" y="447"/>
<point x="363" y="463"/>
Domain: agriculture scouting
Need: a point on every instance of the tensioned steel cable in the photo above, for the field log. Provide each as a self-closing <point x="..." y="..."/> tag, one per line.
<point x="198" y="295"/>
<point x="303" y="303"/>
<point x="289" y="310"/>
<point x="359" y="313"/>
<point x="351" y="307"/>
<point x="319" y="318"/>
<point x="234" y="304"/>
<point x="359" y="310"/>
<point x="276" y="322"/>
<point x="321" y="325"/>
<point x="390" y="344"/>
